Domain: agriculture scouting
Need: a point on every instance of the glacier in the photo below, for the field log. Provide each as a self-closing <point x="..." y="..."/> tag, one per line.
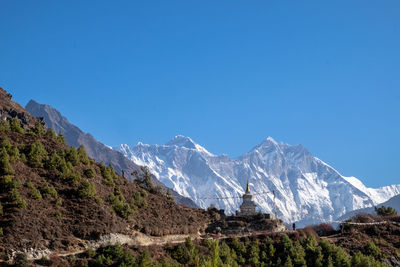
<point x="307" y="189"/>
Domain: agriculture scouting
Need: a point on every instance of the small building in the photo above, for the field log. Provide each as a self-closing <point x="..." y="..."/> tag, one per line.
<point x="248" y="206"/>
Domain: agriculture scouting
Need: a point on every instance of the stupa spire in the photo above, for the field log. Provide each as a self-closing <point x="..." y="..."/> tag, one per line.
<point x="247" y="188"/>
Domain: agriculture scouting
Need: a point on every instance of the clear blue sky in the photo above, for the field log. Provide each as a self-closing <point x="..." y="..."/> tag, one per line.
<point x="325" y="74"/>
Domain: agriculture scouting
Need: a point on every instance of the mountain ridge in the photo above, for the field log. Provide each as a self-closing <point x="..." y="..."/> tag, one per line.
<point x="95" y="149"/>
<point x="305" y="186"/>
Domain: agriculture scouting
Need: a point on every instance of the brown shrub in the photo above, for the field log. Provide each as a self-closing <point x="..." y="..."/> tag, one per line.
<point x="307" y="231"/>
<point x="294" y="236"/>
<point x="55" y="259"/>
<point x="323" y="229"/>
<point x="363" y="218"/>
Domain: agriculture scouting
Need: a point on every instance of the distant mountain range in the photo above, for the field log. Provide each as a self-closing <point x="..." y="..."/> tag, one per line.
<point x="306" y="188"/>
<point x="393" y="202"/>
<point x="96" y="150"/>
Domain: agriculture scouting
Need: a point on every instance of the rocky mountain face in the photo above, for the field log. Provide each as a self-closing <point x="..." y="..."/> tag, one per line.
<point x="96" y="150"/>
<point x="10" y="109"/>
<point x="306" y="188"/>
<point x="76" y="137"/>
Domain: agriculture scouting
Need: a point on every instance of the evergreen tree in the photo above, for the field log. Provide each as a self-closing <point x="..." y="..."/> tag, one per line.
<point x="226" y="255"/>
<point x="145" y="259"/>
<point x="313" y="252"/>
<point x="54" y="162"/>
<point x="61" y="138"/>
<point x="35" y="193"/>
<point x="5" y="165"/>
<point x="329" y="262"/>
<point x="269" y="249"/>
<point x="37" y="155"/>
<point x="298" y="256"/>
<point x="215" y="254"/>
<point x="385" y="211"/>
<point x="38" y="129"/>
<point x="87" y="189"/>
<point x="285" y="247"/>
<point x="5" y="142"/>
<point x="5" y="125"/>
<point x="373" y="250"/>
<point x="14" y="154"/>
<point x="71" y="155"/>
<point x="15" y="125"/>
<point x="340" y="257"/>
<point x="107" y="173"/>
<point x="12" y="151"/>
<point x="49" y="191"/>
<point x="16" y="197"/>
<point x="70" y="174"/>
<point x="50" y="133"/>
<point x="83" y="157"/>
<point x="253" y="253"/>
<point x="288" y="262"/>
<point x="90" y="173"/>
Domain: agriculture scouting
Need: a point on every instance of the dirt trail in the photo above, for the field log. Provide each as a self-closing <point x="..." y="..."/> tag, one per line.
<point x="134" y="239"/>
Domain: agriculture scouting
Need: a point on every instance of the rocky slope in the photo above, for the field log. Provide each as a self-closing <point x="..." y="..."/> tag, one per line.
<point x="96" y="150"/>
<point x="76" y="137"/>
<point x="10" y="109"/>
<point x="55" y="198"/>
<point x="306" y="187"/>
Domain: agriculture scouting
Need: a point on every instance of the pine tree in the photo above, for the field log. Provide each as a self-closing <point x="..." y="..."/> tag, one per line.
<point x="87" y="189"/>
<point x="14" y="154"/>
<point x="37" y="155"/>
<point x="299" y="256"/>
<point x="385" y="211"/>
<point x="288" y="262"/>
<point x="5" y="125"/>
<point x="15" y="125"/>
<point x="72" y="156"/>
<point x="83" y="155"/>
<point x="54" y="162"/>
<point x="35" y="193"/>
<point x="5" y="142"/>
<point x="61" y="138"/>
<point x="5" y="165"/>
<point x="38" y="129"/>
<point x="50" y="133"/>
<point x="215" y="254"/>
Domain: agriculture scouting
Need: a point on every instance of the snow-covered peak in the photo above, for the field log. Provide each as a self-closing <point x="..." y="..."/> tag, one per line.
<point x="140" y="144"/>
<point x="305" y="186"/>
<point x="356" y="183"/>
<point x="266" y="146"/>
<point x="269" y="141"/>
<point x="182" y="141"/>
<point x="186" y="142"/>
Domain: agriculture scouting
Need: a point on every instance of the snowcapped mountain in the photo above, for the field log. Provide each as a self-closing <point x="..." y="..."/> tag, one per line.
<point x="393" y="202"/>
<point x="306" y="188"/>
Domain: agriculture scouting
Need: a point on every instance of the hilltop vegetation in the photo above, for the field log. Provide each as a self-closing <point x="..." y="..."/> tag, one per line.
<point x="54" y="197"/>
<point x="275" y="250"/>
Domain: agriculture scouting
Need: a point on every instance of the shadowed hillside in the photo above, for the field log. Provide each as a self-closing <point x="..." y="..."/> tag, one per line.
<point x="54" y="197"/>
<point x="96" y="150"/>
